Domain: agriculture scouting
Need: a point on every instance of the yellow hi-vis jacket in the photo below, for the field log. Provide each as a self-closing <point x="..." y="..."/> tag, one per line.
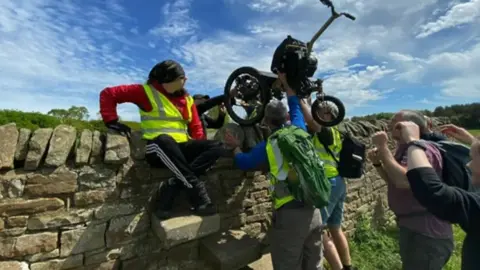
<point x="280" y="173"/>
<point x="329" y="162"/>
<point x="164" y="118"/>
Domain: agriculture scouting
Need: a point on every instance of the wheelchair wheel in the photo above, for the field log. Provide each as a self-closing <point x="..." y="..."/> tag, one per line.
<point x="245" y="96"/>
<point x="319" y="104"/>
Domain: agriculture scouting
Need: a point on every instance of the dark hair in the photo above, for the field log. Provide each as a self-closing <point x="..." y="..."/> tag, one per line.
<point x="416" y="118"/>
<point x="166" y="72"/>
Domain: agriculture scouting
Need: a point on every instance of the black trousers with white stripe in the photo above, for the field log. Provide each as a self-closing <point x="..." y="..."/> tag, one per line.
<point x="187" y="161"/>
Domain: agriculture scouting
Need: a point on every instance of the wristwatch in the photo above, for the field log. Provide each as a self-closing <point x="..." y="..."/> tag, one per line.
<point x="418" y="143"/>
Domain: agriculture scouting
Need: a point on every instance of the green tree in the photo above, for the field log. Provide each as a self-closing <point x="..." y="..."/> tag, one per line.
<point x="73" y="113"/>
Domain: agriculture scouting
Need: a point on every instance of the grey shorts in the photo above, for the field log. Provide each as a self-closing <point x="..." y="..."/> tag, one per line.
<point x="418" y="251"/>
<point x="296" y="239"/>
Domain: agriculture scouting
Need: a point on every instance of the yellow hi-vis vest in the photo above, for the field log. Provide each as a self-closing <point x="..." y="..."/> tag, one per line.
<point x="279" y="173"/>
<point x="164" y="118"/>
<point x="328" y="162"/>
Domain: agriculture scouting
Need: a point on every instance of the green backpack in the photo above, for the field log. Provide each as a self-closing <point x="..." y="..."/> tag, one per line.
<point x="312" y="187"/>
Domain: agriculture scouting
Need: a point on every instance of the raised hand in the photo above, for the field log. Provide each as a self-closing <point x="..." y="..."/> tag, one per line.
<point x="458" y="133"/>
<point x="380" y="139"/>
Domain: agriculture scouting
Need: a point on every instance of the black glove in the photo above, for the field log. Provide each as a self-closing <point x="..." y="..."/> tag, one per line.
<point x="120" y="128"/>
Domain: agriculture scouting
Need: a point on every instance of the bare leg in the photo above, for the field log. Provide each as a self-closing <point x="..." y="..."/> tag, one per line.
<point x="341" y="244"/>
<point x="331" y="254"/>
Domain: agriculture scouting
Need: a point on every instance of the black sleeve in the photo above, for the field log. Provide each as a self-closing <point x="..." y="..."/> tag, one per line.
<point x="207" y="105"/>
<point x="446" y="202"/>
<point x="215" y="124"/>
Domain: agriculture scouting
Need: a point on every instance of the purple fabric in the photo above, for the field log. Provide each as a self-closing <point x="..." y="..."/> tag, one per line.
<point x="410" y="214"/>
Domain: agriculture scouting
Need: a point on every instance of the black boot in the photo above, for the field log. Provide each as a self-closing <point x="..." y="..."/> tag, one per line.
<point x="166" y="194"/>
<point x="200" y="201"/>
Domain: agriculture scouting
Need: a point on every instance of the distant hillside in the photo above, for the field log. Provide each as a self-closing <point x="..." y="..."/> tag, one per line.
<point x="34" y="120"/>
<point x="465" y="115"/>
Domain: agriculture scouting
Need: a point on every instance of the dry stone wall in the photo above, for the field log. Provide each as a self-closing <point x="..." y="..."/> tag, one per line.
<point x="83" y="200"/>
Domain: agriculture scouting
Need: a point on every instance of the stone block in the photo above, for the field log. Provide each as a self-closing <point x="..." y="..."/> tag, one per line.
<point x="230" y="250"/>
<point x="137" y="145"/>
<point x="11" y="188"/>
<point x="109" y="265"/>
<point x="117" y="149"/>
<point x="58" y="264"/>
<point x="92" y="197"/>
<point x="37" y="148"/>
<point x="12" y="232"/>
<point x="108" y="211"/>
<point x="22" y="144"/>
<point x="183" y="229"/>
<point x="8" y="145"/>
<point x="264" y="263"/>
<point x="103" y="256"/>
<point x="150" y="262"/>
<point x="96" y="156"/>
<point x="84" y="148"/>
<point x="61" y="181"/>
<point x="57" y="219"/>
<point x="126" y="228"/>
<point x="81" y="240"/>
<point x="142" y="248"/>
<point x="14" y="207"/>
<point x="43" y="256"/>
<point x="96" y="177"/>
<point x="28" y="244"/>
<point x="61" y="144"/>
<point x="14" y="265"/>
<point x="17" y="221"/>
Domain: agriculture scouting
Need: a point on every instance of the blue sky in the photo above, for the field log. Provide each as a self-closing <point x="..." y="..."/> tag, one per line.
<point x="397" y="54"/>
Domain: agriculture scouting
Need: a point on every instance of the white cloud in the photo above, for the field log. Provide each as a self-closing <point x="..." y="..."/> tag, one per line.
<point x="177" y="21"/>
<point x="355" y="87"/>
<point x="50" y="57"/>
<point x="459" y="14"/>
<point x="456" y="73"/>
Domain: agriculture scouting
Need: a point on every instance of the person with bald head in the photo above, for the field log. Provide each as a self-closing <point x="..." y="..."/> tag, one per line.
<point x="426" y="242"/>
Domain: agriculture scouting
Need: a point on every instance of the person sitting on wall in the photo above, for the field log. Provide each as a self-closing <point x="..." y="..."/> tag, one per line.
<point x="337" y="252"/>
<point x="296" y="233"/>
<point x="171" y="126"/>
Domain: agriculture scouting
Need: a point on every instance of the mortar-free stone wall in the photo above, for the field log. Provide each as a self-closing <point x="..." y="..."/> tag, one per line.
<point x="83" y="200"/>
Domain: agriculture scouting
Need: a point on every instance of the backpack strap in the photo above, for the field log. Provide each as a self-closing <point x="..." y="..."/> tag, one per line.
<point x="329" y="151"/>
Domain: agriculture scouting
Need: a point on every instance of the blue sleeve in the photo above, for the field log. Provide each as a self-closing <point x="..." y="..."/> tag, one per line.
<point x="251" y="160"/>
<point x="296" y="115"/>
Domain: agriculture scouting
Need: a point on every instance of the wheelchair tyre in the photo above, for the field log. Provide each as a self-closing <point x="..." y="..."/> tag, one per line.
<point x="334" y="100"/>
<point x="228" y="99"/>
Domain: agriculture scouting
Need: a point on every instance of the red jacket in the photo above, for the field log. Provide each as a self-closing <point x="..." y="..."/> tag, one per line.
<point x="134" y="93"/>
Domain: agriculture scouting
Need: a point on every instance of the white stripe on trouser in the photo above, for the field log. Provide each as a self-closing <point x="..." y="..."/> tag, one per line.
<point x="154" y="148"/>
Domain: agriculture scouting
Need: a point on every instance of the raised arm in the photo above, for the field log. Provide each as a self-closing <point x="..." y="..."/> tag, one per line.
<point x="110" y="97"/>
<point x="312" y="124"/>
<point x="448" y="203"/>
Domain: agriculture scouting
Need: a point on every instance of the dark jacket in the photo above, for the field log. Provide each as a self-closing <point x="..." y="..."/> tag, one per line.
<point x="450" y="204"/>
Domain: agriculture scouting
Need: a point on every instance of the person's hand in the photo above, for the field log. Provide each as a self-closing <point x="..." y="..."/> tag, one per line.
<point x="458" y="133"/>
<point x="380" y="139"/>
<point x="408" y="130"/>
<point x="123" y="129"/>
<point x="285" y="86"/>
<point x="222" y="109"/>
<point x="230" y="140"/>
<point x="373" y="156"/>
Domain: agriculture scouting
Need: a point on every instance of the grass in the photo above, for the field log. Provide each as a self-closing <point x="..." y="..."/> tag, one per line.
<point x="475" y="132"/>
<point x="373" y="249"/>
